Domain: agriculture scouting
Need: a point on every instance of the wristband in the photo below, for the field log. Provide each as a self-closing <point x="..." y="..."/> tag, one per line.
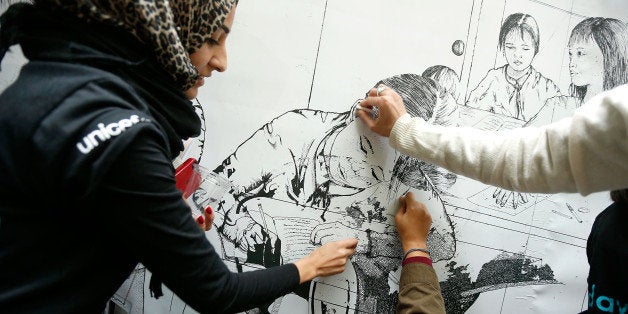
<point x="416" y="250"/>
<point x="417" y="259"/>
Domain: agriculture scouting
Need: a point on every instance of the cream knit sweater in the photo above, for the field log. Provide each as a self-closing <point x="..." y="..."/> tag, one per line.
<point x="585" y="153"/>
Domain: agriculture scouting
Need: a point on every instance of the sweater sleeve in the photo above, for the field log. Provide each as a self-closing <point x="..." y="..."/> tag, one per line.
<point x="419" y="291"/>
<point x="585" y="153"/>
<point x="145" y="213"/>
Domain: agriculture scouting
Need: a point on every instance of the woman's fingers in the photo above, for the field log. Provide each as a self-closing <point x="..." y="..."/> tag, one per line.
<point x="402" y="203"/>
<point x="349" y="243"/>
<point x="388" y="106"/>
<point x="201" y="222"/>
<point x="206" y="219"/>
<point x="328" y="271"/>
<point x="410" y="197"/>
<point x="366" y="118"/>
<point x="326" y="260"/>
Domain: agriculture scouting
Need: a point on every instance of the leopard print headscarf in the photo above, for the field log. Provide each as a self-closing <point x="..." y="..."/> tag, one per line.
<point x="174" y="29"/>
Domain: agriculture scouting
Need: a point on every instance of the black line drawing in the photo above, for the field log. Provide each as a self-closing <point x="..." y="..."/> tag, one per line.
<point x="516" y="89"/>
<point x="256" y="235"/>
<point x="506" y="201"/>
<point x="130" y="296"/>
<point x="570" y="214"/>
<point x="505" y="270"/>
<point x="447" y="80"/>
<point x="332" y="181"/>
<point x="338" y="183"/>
<point x="598" y="60"/>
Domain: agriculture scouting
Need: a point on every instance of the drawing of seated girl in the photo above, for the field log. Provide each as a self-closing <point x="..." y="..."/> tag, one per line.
<point x="516" y="89"/>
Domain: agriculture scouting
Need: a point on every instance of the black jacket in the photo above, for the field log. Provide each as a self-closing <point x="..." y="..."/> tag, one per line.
<point x="607" y="251"/>
<point x="87" y="189"/>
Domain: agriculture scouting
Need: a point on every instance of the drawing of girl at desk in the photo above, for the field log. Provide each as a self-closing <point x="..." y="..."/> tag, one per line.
<point x="516" y="89"/>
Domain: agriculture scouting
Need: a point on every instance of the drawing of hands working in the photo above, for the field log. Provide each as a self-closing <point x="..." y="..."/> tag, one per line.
<point x="505" y="198"/>
<point x="249" y="235"/>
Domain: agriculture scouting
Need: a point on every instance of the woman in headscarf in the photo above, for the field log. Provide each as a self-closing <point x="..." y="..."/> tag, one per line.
<point x="89" y="130"/>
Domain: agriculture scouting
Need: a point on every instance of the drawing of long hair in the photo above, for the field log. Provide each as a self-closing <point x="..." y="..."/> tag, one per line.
<point x="418" y="93"/>
<point x="611" y="36"/>
<point x="420" y="96"/>
<point x="446" y="78"/>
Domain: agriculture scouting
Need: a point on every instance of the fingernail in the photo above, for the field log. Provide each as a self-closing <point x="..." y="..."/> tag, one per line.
<point x="209" y="210"/>
<point x="200" y="220"/>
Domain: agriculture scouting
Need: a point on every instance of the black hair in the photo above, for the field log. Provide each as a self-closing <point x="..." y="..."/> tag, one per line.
<point x="620" y="196"/>
<point x="419" y="94"/>
<point x="446" y="78"/>
<point x="523" y="23"/>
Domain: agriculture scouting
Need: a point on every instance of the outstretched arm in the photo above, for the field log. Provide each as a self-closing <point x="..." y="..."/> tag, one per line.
<point x="585" y="153"/>
<point x="138" y="204"/>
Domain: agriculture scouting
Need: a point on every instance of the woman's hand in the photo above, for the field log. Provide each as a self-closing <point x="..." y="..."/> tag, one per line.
<point x="413" y="224"/>
<point x="205" y="220"/>
<point x="332" y="231"/>
<point x="327" y="260"/>
<point x="389" y="107"/>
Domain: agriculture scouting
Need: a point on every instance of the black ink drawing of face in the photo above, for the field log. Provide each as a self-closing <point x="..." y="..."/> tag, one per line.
<point x="586" y="63"/>
<point x="360" y="155"/>
<point x="519" y="49"/>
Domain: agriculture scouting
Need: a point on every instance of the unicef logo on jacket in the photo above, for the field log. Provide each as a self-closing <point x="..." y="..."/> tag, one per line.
<point x="105" y="132"/>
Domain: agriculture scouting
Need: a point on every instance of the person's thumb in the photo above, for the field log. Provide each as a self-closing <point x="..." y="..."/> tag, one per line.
<point x="410" y="197"/>
<point x="349" y="243"/>
<point x="366" y="118"/>
<point x="402" y="204"/>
